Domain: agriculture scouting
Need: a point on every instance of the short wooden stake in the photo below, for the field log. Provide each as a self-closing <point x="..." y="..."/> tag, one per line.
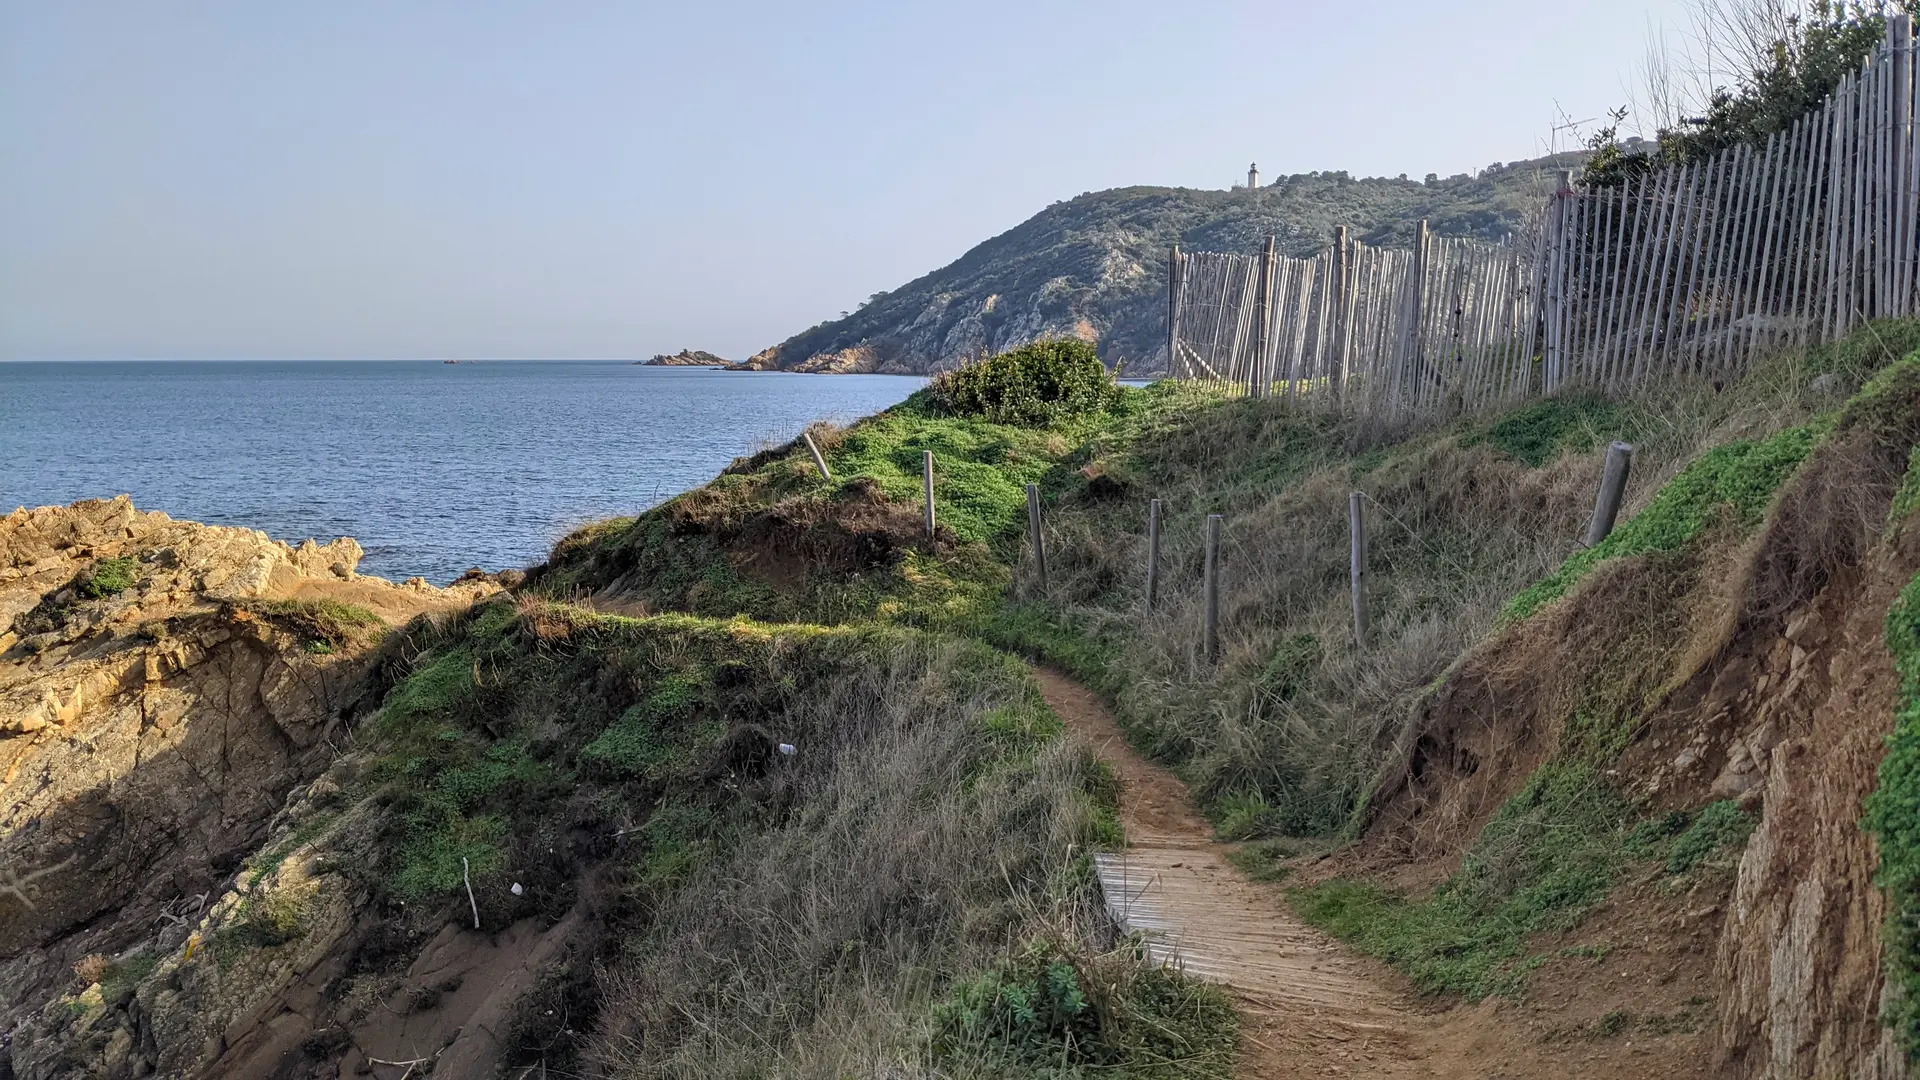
<point x="1357" y="523"/>
<point x="1153" y="552"/>
<point x="926" y="466"/>
<point x="1210" y="618"/>
<point x="1033" y="531"/>
<point x="1613" y="487"/>
<point x="819" y="459"/>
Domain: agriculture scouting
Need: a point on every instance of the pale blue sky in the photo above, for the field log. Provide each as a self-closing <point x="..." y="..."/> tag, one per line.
<point x="558" y="179"/>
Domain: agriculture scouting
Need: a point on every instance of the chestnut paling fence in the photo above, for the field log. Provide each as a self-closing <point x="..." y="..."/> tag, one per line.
<point x="1688" y="269"/>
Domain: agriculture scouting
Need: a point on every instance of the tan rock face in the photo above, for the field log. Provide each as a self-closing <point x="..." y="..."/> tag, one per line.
<point x="1799" y="952"/>
<point x="153" y="720"/>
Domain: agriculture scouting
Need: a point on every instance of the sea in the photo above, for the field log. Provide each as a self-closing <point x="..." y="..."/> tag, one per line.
<point x="433" y="467"/>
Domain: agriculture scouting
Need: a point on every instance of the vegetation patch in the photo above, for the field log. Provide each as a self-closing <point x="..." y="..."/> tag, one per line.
<point x="1536" y="434"/>
<point x="110" y="577"/>
<point x="1034" y="385"/>
<point x="326" y="624"/>
<point x="926" y="816"/>
<point x="1547" y="856"/>
<point x="1742" y="476"/>
<point x="1907" y="499"/>
<point x="1050" y="1013"/>
<point x="1893" y="815"/>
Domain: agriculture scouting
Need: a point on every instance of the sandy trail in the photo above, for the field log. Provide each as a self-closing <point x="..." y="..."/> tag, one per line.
<point x="1309" y="1006"/>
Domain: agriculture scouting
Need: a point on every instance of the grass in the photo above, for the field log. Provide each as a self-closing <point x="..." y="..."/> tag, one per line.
<point x="1536" y="434"/>
<point x="1907" y="499"/>
<point x="1742" y="476"/>
<point x="327" y="625"/>
<point x="767" y="908"/>
<point x="1549" y="854"/>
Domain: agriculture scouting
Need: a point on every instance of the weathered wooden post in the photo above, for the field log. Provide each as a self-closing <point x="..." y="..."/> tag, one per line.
<point x="1613" y="486"/>
<point x="819" y="459"/>
<point x="1342" y="312"/>
<point x="1262" y="378"/>
<point x="1357" y="524"/>
<point x="1210" y="613"/>
<point x="1033" y="531"/>
<point x="1175" y="279"/>
<point x="1554" y="354"/>
<point x="926" y="467"/>
<point x="1153" y="552"/>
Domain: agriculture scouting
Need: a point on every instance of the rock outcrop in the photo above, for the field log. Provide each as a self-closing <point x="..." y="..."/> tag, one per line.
<point x="687" y="358"/>
<point x="165" y="687"/>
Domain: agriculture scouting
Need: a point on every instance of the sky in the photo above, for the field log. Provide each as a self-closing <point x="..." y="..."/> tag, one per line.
<point x="610" y="180"/>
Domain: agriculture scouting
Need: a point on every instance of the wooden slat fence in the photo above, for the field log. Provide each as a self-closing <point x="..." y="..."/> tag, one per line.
<point x="1693" y="269"/>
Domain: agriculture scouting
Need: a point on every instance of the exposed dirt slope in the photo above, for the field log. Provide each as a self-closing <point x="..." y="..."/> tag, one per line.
<point x="1743" y="666"/>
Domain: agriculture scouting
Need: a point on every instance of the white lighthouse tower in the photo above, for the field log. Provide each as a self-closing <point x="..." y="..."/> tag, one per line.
<point x="1253" y="177"/>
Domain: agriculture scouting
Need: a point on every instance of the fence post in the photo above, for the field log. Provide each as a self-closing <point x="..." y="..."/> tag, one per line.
<point x="1342" y="302"/>
<point x="1210" y="616"/>
<point x="1153" y="552"/>
<point x="1263" y="325"/>
<point x="1556" y="226"/>
<point x="926" y="467"/>
<point x="819" y="460"/>
<point x="1613" y="485"/>
<point x="1175" y="278"/>
<point x="1033" y="531"/>
<point x="1357" y="525"/>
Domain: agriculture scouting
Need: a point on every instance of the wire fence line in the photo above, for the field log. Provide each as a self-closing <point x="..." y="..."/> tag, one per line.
<point x="1686" y="269"/>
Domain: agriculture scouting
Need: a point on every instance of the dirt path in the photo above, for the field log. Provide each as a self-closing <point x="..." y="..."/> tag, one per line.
<point x="1310" y="1007"/>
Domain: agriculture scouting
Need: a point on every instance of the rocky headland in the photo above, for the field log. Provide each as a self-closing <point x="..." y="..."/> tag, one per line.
<point x="165" y="687"/>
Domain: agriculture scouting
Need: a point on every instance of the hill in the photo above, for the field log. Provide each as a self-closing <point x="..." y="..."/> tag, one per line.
<point x="1094" y="267"/>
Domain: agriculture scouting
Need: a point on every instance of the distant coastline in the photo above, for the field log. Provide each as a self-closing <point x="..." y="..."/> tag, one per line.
<point x="687" y="358"/>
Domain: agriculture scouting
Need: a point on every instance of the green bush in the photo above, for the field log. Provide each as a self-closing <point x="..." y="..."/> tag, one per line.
<point x="111" y="577"/>
<point x="1044" y="1013"/>
<point x="1035" y="385"/>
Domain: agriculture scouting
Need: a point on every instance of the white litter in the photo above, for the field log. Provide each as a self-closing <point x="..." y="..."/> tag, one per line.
<point x="787" y="749"/>
<point x="517" y="890"/>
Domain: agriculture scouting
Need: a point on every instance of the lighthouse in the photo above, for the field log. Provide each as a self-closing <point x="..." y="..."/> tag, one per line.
<point x="1253" y="177"/>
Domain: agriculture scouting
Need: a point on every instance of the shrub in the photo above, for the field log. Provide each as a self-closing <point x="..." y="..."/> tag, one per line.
<point x="1035" y="385"/>
<point x="1047" y="1013"/>
<point x="110" y="577"/>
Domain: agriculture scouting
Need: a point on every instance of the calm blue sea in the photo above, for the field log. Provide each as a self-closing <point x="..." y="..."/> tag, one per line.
<point x="433" y="467"/>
